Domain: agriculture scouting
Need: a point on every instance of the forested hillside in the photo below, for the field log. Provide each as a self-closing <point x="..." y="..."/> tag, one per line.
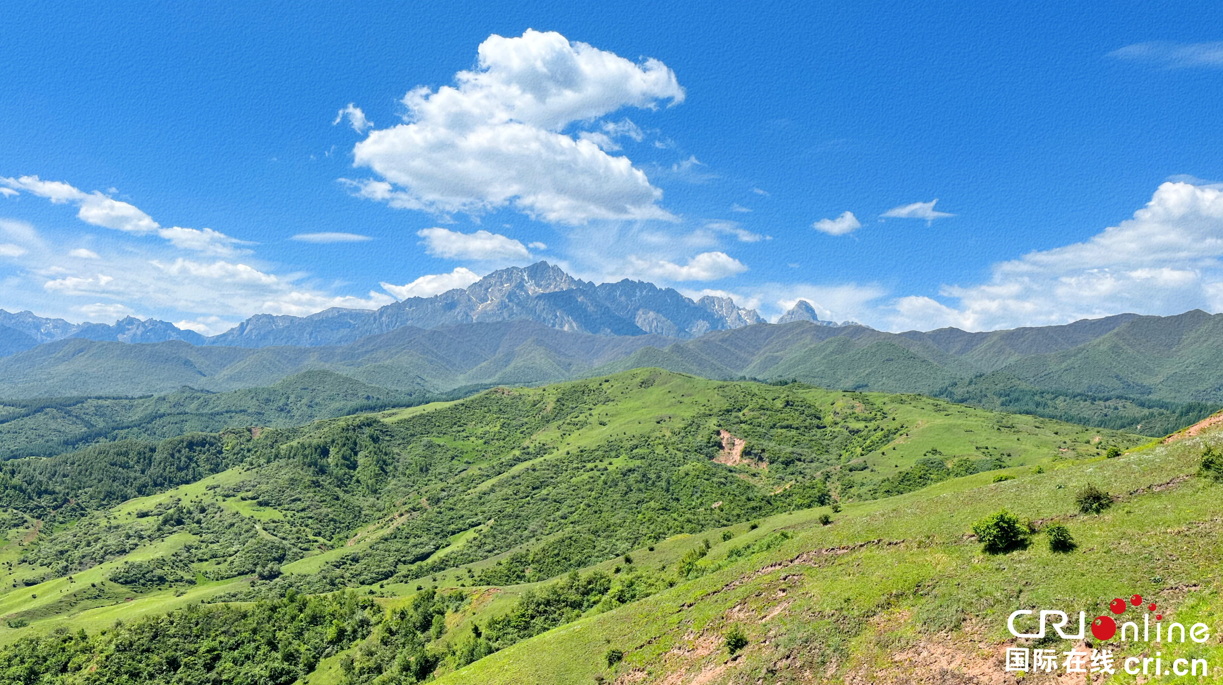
<point x="45" y="427"/>
<point x="505" y="489"/>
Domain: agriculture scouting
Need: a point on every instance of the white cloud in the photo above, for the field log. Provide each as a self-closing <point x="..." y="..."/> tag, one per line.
<point x="1173" y="55"/>
<point x="730" y="228"/>
<point x="736" y="207"/>
<point x="356" y="118"/>
<point x="610" y="131"/>
<point x="433" y="284"/>
<point x="480" y="245"/>
<point x="82" y="285"/>
<point x="100" y="311"/>
<point x="11" y="250"/>
<point x="494" y="139"/>
<point x="99" y="210"/>
<point x="205" y="241"/>
<point x="537" y="246"/>
<point x="842" y="225"/>
<point x="758" y="191"/>
<point x="156" y="279"/>
<point x="9" y="192"/>
<point x="707" y="266"/>
<point x="917" y="210"/>
<point x="206" y="325"/>
<point x="20" y="232"/>
<point x="741" y="300"/>
<point x="1167" y="259"/>
<point x="92" y="208"/>
<point x="326" y="238"/>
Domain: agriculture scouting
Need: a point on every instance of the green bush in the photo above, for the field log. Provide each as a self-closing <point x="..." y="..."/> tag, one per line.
<point x="1093" y="500"/>
<point x="1060" y="540"/>
<point x="836" y="507"/>
<point x="825" y="519"/>
<point x="614" y="656"/>
<point x="735" y="639"/>
<point x="1002" y="477"/>
<point x="1212" y="464"/>
<point x="1000" y="532"/>
<point x="1113" y="452"/>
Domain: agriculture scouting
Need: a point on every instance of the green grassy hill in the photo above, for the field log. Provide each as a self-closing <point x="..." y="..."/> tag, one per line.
<point x="899" y="590"/>
<point x="472" y="513"/>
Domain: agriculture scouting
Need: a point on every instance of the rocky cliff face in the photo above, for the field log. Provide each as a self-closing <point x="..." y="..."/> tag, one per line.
<point x="541" y="292"/>
<point x="803" y="311"/>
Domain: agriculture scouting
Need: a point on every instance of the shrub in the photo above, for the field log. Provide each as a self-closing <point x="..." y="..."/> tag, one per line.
<point x="614" y="656"/>
<point x="825" y="519"/>
<point x="1212" y="464"/>
<point x="1113" y="452"/>
<point x="1002" y="477"/>
<point x="836" y="507"/>
<point x="726" y="535"/>
<point x="1060" y="540"/>
<point x="735" y="639"/>
<point x="1093" y="500"/>
<point x="1000" y="532"/>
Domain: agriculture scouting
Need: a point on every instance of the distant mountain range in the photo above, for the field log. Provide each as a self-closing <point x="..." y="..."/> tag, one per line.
<point x="542" y="293"/>
<point x="538" y="324"/>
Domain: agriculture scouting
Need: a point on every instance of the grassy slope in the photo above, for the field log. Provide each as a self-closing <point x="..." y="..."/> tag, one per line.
<point x="630" y="411"/>
<point x="895" y="589"/>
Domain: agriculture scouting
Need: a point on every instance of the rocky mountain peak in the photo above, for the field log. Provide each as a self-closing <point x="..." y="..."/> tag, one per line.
<point x="801" y="311"/>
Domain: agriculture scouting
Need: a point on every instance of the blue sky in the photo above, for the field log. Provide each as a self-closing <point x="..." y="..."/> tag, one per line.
<point x="709" y="147"/>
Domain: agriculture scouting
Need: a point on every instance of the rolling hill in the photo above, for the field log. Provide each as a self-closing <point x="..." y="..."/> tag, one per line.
<point x="464" y="506"/>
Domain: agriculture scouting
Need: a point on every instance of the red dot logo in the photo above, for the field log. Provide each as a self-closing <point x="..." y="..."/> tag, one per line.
<point x="1103" y="628"/>
<point x="1152" y="607"/>
<point x="1117" y="606"/>
<point x="1136" y="600"/>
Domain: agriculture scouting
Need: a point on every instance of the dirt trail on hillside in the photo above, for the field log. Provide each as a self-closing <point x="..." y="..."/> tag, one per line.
<point x="1196" y="429"/>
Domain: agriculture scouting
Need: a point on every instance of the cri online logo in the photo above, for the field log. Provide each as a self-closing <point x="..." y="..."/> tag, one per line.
<point x="1104" y="628"/>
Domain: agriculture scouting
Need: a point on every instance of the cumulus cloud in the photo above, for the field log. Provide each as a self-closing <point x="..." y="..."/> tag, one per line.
<point x="1166" y="259"/>
<point x="326" y="238"/>
<point x="356" y="118"/>
<point x="9" y="192"/>
<point x="917" y="210"/>
<point x="842" y="225"/>
<point x="480" y="245"/>
<point x="82" y="253"/>
<point x="1173" y="55"/>
<point x="495" y="138"/>
<point x="433" y="284"/>
<point x="707" y="266"/>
